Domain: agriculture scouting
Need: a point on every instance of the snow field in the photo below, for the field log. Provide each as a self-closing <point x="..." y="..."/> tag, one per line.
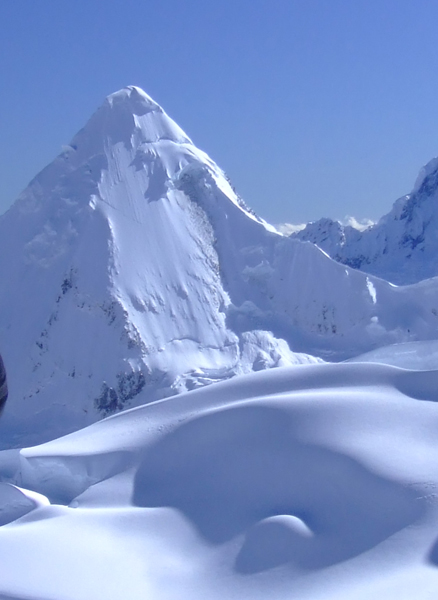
<point x="310" y="482"/>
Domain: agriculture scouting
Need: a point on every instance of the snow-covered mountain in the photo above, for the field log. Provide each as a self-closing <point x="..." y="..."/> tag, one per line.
<point x="113" y="277"/>
<point x="131" y="271"/>
<point x="401" y="248"/>
<point x="135" y="272"/>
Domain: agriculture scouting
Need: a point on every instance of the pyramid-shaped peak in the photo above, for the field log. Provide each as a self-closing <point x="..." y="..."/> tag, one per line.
<point x="134" y="99"/>
<point x="126" y="113"/>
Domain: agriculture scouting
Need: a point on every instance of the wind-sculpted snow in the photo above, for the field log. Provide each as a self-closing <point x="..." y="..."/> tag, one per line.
<point x="134" y="272"/>
<point x="307" y="482"/>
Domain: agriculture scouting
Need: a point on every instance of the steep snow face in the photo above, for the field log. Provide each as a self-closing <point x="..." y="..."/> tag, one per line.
<point x="135" y="272"/>
<point x="112" y="276"/>
<point x="401" y="247"/>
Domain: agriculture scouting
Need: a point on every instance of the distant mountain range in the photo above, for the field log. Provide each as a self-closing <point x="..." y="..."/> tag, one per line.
<point x="402" y="247"/>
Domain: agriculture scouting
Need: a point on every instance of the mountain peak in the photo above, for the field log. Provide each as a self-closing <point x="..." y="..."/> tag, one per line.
<point x="127" y="114"/>
<point x="133" y="98"/>
<point x="134" y="272"/>
<point x="425" y="172"/>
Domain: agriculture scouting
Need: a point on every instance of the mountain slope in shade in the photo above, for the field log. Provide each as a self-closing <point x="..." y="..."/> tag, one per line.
<point x="401" y="248"/>
<point x="135" y="272"/>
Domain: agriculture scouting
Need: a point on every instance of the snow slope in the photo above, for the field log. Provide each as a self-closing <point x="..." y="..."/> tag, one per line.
<point x="134" y="272"/>
<point x="315" y="482"/>
<point x="401" y="247"/>
<point x="421" y="356"/>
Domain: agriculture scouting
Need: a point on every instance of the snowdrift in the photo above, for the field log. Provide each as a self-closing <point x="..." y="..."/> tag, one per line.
<point x="317" y="481"/>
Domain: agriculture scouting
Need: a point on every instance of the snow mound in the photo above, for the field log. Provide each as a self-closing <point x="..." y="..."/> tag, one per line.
<point x="16" y="502"/>
<point x="316" y="481"/>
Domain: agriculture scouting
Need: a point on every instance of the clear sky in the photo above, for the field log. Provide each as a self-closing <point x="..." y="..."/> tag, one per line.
<point x="313" y="107"/>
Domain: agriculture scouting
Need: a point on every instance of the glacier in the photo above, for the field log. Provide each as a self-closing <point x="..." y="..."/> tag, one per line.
<point x="136" y="277"/>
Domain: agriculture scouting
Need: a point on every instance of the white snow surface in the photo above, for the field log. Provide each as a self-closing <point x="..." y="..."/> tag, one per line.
<point x="400" y="248"/>
<point x="421" y="356"/>
<point x="314" y="482"/>
<point x="134" y="272"/>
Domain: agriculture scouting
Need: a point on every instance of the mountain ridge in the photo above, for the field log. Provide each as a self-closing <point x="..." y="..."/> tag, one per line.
<point x="400" y="247"/>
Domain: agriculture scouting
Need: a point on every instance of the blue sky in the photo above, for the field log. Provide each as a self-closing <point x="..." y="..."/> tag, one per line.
<point x="313" y="107"/>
